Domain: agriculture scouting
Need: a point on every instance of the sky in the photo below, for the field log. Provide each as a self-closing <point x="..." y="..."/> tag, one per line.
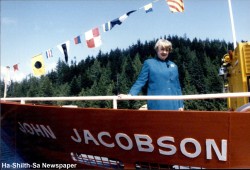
<point x="30" y="27"/>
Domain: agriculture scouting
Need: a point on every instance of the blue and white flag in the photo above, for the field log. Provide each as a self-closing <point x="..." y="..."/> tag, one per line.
<point x="148" y="7"/>
<point x="109" y="25"/>
<point x="64" y="48"/>
<point x="49" y="53"/>
<point x="106" y="26"/>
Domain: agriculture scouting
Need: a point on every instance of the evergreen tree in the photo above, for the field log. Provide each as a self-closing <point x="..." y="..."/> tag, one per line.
<point x="33" y="88"/>
<point x="124" y="82"/>
<point x="196" y="71"/>
<point x="189" y="89"/>
<point x="94" y="72"/>
<point x="63" y="72"/>
<point x="62" y="90"/>
<point x="115" y="58"/>
<point x="105" y="87"/>
<point x="2" y="88"/>
<point x="46" y="89"/>
<point x="75" y="86"/>
<point x="53" y="76"/>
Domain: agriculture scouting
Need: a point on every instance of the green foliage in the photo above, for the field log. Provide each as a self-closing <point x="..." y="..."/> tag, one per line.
<point x="115" y="72"/>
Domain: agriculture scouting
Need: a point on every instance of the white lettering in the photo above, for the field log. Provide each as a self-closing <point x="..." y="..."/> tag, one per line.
<point x="28" y="128"/>
<point x="196" y="144"/>
<point x="171" y="147"/>
<point x="48" y="132"/>
<point x="100" y="135"/>
<point x="5" y="165"/>
<point x="78" y="140"/>
<point x="89" y="137"/>
<point x="21" y="127"/>
<point x="147" y="142"/>
<point x="37" y="130"/>
<point x="189" y="147"/>
<point x="125" y="136"/>
<point x="222" y="156"/>
<point x="35" y="165"/>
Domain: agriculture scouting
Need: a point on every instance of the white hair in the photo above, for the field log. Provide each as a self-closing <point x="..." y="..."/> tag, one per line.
<point x="163" y="43"/>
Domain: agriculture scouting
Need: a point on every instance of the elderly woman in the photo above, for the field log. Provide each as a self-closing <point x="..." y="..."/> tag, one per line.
<point x="162" y="77"/>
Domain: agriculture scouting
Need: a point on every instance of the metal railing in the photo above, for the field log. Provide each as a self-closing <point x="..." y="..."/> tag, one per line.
<point x="128" y="97"/>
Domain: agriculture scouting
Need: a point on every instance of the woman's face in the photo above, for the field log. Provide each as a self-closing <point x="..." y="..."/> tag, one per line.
<point x="163" y="52"/>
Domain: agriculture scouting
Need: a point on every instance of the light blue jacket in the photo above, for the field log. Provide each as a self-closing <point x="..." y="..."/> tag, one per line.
<point x="163" y="79"/>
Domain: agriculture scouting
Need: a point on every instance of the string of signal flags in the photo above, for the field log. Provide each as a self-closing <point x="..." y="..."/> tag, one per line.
<point x="92" y="37"/>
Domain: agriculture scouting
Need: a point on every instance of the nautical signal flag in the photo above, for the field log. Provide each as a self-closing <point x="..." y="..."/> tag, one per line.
<point x="93" y="38"/>
<point x="77" y="40"/>
<point x="49" y="53"/>
<point x="109" y="25"/>
<point x="64" y="48"/>
<point x="176" y="5"/>
<point x="37" y="64"/>
<point x="15" y="67"/>
<point x="148" y="7"/>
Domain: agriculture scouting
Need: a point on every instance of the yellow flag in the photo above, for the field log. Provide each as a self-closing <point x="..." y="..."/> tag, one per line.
<point x="37" y="64"/>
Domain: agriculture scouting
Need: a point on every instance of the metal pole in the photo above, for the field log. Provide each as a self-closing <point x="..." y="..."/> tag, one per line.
<point x="5" y="89"/>
<point x="232" y="22"/>
<point x="114" y="103"/>
<point x="22" y="101"/>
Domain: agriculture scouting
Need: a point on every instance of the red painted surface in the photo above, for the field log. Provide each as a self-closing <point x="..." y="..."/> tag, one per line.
<point x="130" y="136"/>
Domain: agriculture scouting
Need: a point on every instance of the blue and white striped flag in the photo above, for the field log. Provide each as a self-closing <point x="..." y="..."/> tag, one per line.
<point x="148" y="7"/>
<point x="49" y="53"/>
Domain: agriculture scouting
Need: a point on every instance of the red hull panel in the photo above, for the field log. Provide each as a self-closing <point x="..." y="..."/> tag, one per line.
<point x="75" y="135"/>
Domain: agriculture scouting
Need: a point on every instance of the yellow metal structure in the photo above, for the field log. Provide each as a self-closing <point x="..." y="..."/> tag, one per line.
<point x="236" y="67"/>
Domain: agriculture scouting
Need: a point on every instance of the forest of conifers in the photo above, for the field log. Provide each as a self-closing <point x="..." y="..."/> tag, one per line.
<point x="114" y="73"/>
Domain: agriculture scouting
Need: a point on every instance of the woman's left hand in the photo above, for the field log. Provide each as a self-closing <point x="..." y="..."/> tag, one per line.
<point x="181" y="109"/>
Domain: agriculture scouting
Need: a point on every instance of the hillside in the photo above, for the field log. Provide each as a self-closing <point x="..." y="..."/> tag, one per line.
<point x="114" y="72"/>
